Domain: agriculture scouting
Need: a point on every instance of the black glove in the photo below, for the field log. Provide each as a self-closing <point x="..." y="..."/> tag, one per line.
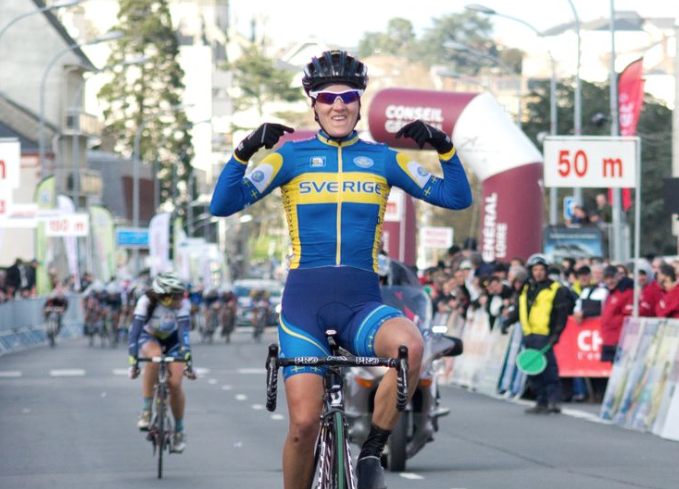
<point x="424" y="133"/>
<point x="266" y="135"/>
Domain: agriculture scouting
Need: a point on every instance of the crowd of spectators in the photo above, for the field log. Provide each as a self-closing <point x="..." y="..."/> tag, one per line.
<point x="19" y="281"/>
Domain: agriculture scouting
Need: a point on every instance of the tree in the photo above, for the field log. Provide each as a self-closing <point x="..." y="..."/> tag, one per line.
<point x="259" y="82"/>
<point x="399" y="40"/>
<point x="149" y="94"/>
<point x="654" y="129"/>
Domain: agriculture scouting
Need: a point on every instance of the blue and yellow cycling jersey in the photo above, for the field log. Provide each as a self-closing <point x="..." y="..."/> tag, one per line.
<point x="335" y="194"/>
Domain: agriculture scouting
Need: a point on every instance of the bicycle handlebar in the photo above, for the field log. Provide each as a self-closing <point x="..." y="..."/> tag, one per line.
<point x="274" y="362"/>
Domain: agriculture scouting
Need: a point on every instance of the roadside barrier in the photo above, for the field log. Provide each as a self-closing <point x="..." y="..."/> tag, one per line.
<point x="643" y="389"/>
<point x="22" y="323"/>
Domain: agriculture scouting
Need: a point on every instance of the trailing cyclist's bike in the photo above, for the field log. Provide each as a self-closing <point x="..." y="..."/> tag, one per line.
<point x="161" y="428"/>
<point x="53" y="315"/>
<point x="334" y="469"/>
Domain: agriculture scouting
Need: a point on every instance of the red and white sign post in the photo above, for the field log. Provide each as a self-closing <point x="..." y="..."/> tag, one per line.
<point x="598" y="162"/>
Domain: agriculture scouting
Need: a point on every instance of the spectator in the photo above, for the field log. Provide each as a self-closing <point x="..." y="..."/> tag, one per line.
<point x="17" y="279"/>
<point x="543" y="311"/>
<point x="603" y="209"/>
<point x="592" y="295"/>
<point x="499" y="298"/>
<point x="618" y="304"/>
<point x="651" y="290"/>
<point x="668" y="306"/>
<point x="31" y="275"/>
<point x="578" y="218"/>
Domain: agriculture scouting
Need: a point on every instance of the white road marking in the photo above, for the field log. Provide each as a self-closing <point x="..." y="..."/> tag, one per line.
<point x="8" y="374"/>
<point x="411" y="476"/>
<point x="67" y="372"/>
<point x="120" y="371"/>
<point x="26" y="411"/>
<point x="277" y="416"/>
<point x="251" y="370"/>
<point x="212" y="381"/>
<point x="226" y="387"/>
<point x="201" y="371"/>
<point x="257" y="407"/>
<point x="241" y="397"/>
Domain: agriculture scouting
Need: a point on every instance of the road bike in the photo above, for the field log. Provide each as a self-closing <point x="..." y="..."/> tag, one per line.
<point x="332" y="455"/>
<point x="53" y="315"/>
<point x="161" y="428"/>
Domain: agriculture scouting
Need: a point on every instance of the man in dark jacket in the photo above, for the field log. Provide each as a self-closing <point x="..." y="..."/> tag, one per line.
<point x="543" y="310"/>
<point x="618" y="304"/>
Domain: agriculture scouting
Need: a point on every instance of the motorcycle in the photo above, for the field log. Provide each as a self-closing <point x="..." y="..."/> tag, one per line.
<point x="419" y="422"/>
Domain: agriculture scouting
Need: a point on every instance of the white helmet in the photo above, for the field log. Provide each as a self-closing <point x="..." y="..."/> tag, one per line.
<point x="168" y="283"/>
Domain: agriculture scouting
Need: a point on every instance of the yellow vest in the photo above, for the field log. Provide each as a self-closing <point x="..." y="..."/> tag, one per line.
<point x="538" y="320"/>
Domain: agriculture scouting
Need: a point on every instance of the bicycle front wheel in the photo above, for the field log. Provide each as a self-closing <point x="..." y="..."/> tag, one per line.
<point x="333" y="460"/>
<point x="162" y="407"/>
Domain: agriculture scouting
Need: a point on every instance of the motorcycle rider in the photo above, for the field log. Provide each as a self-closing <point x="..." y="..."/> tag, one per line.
<point x="335" y="187"/>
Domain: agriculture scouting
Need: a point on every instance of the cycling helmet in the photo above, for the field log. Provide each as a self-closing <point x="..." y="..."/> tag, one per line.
<point x="168" y="283"/>
<point x="334" y="67"/>
<point x="537" y="259"/>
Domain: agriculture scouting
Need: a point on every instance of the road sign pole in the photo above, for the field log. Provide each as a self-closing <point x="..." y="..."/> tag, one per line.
<point x="637" y="231"/>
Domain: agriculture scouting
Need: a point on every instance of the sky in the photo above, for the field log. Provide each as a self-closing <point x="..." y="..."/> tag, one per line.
<point x="343" y="22"/>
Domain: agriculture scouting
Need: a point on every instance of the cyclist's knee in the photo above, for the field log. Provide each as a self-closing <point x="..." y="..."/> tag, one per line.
<point x="303" y="428"/>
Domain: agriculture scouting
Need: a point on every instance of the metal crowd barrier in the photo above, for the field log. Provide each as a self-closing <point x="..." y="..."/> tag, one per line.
<point x="22" y="322"/>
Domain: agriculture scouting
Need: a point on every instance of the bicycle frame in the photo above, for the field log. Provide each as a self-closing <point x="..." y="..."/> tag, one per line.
<point x="161" y="428"/>
<point x="332" y="454"/>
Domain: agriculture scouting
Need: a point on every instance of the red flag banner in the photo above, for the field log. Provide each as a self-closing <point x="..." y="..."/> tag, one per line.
<point x="630" y="100"/>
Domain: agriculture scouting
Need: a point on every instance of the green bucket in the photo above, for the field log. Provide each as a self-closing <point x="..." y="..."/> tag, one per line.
<point x="531" y="361"/>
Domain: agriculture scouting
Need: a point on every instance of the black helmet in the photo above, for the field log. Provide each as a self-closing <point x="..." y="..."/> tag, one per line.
<point x="537" y="259"/>
<point x="334" y="67"/>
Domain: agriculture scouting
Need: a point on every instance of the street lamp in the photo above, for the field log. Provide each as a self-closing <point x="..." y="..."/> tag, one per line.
<point x="553" y="192"/>
<point x="54" y="6"/>
<point x="110" y="36"/>
<point x="464" y="48"/>
<point x="577" y="103"/>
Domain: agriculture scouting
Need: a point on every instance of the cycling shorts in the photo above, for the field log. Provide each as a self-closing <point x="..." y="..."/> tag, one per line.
<point x="345" y="299"/>
<point x="170" y="346"/>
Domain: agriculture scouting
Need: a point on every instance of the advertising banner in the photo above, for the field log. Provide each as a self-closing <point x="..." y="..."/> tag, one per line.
<point x="67" y="208"/>
<point x="159" y="243"/>
<point x="46" y="198"/>
<point x="655" y="379"/>
<point x="624" y="358"/>
<point x="489" y="379"/>
<point x="667" y="422"/>
<point x="646" y="350"/>
<point x="630" y="101"/>
<point x="103" y="242"/>
<point x="563" y="242"/>
<point x="578" y="352"/>
<point x="489" y="143"/>
<point x="476" y="339"/>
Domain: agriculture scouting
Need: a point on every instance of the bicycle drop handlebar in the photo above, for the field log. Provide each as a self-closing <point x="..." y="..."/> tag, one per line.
<point x="161" y="359"/>
<point x="274" y="362"/>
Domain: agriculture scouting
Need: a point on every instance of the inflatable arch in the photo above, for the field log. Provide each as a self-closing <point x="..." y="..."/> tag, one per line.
<point x="506" y="162"/>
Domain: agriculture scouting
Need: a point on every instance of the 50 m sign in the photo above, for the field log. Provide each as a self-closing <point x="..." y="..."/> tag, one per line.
<point x="591" y="162"/>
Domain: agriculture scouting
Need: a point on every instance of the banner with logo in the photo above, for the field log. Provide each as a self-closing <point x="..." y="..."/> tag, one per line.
<point x="630" y="101"/>
<point x="159" y="243"/>
<point x="578" y="352"/>
<point x="496" y="355"/>
<point x="476" y="338"/>
<point x="103" y="242"/>
<point x="66" y="206"/>
<point x="46" y="198"/>
<point x="646" y="350"/>
<point x="655" y="379"/>
<point x="624" y="358"/>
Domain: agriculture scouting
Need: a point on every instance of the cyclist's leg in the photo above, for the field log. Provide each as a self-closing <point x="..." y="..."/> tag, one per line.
<point x="390" y="335"/>
<point x="304" y="393"/>
<point x="177" y="398"/>
<point x="149" y="348"/>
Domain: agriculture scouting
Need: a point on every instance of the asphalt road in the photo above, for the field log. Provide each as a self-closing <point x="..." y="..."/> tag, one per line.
<point x="68" y="416"/>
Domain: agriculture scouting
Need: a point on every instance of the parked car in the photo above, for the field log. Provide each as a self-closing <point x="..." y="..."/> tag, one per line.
<point x="254" y="292"/>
